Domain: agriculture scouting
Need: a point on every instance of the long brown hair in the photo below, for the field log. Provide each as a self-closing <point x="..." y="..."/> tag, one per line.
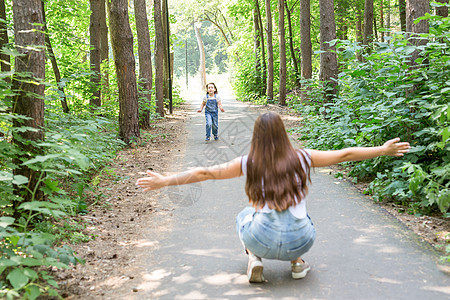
<point x="275" y="175"/>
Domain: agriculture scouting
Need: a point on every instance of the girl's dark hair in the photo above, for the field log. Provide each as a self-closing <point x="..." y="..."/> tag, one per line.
<point x="275" y="173"/>
<point x="214" y="87"/>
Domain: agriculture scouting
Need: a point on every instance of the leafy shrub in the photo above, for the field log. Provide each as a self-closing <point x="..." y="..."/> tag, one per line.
<point x="382" y="98"/>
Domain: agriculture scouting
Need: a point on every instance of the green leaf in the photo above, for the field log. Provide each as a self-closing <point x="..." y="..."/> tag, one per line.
<point x="7" y="263"/>
<point x="17" y="279"/>
<point x="27" y="261"/>
<point x="30" y="273"/>
<point x="40" y="158"/>
<point x="6" y="221"/>
<point x="19" y="180"/>
<point x="32" y="292"/>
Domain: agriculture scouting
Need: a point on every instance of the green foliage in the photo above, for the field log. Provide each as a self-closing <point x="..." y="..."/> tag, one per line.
<point x="382" y="98"/>
<point x="25" y="261"/>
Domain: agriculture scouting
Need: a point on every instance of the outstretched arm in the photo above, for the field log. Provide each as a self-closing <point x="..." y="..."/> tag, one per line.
<point x="391" y="148"/>
<point x="156" y="181"/>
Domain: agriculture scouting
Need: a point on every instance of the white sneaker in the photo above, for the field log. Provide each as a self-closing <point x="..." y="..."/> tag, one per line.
<point x="255" y="269"/>
<point x="299" y="270"/>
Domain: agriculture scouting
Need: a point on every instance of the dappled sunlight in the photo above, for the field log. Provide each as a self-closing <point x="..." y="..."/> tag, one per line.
<point x="324" y="170"/>
<point x="440" y="289"/>
<point x="389" y="250"/>
<point x="194" y="295"/>
<point x="222" y="278"/>
<point x="153" y="280"/>
<point x="115" y="281"/>
<point x="184" y="278"/>
<point x="362" y="240"/>
<point x="144" y="243"/>
<point x="387" y="280"/>
<point x="218" y="253"/>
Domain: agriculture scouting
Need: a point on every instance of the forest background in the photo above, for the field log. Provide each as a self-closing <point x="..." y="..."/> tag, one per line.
<point x="81" y="80"/>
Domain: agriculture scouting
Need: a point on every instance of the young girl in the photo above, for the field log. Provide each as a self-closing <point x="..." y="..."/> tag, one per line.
<point x="211" y="101"/>
<point x="277" y="225"/>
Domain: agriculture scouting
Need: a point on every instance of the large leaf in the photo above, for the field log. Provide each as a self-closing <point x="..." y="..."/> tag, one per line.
<point x="17" y="278"/>
<point x="40" y="158"/>
<point x="6" y="221"/>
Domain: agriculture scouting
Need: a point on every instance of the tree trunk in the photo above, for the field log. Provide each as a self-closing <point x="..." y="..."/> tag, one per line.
<point x="122" y="44"/>
<point x="291" y="44"/>
<point x="256" y="47"/>
<point x="368" y="22"/>
<point x="269" y="51"/>
<point x="443" y="10"/>
<point x="5" y="60"/>
<point x="28" y="84"/>
<point x="201" y="47"/>
<point x="381" y="21"/>
<point x="306" y="46"/>
<point x="416" y="9"/>
<point x="94" y="57"/>
<point x="51" y="55"/>
<point x="328" y="59"/>
<point x="402" y="12"/>
<point x="263" y="52"/>
<point x="282" y="47"/>
<point x="104" y="51"/>
<point x="159" y="58"/>
<point x="145" y="60"/>
<point x="388" y="18"/>
<point x="166" y="32"/>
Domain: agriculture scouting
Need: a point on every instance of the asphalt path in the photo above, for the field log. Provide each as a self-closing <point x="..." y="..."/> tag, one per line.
<point x="361" y="252"/>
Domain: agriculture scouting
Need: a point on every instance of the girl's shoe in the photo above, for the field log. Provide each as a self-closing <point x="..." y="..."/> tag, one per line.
<point x="255" y="269"/>
<point x="216" y="137"/>
<point x="299" y="270"/>
<point x="207" y="139"/>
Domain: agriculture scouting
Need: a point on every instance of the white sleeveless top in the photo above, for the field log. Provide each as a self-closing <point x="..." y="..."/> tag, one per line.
<point x="299" y="210"/>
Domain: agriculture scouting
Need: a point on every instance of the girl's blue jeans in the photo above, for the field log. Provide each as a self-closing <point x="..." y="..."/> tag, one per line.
<point x="212" y="121"/>
<point x="275" y="235"/>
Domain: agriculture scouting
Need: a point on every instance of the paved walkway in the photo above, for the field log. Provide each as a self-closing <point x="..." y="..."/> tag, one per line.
<point x="360" y="252"/>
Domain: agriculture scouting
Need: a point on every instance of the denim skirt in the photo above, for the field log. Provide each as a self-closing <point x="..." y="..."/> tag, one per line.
<point x="275" y="235"/>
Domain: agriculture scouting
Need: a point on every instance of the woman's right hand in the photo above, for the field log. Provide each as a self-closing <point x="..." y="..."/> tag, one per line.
<point x="153" y="182"/>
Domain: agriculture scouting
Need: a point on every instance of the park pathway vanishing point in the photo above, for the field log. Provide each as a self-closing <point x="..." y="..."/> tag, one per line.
<point x="360" y="252"/>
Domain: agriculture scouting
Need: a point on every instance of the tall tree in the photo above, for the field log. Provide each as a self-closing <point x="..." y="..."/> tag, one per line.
<point x="166" y="32"/>
<point x="269" y="92"/>
<point x="291" y="41"/>
<point x="402" y="13"/>
<point x="51" y="55"/>
<point x="262" y="53"/>
<point x="122" y="44"/>
<point x="145" y="59"/>
<point x="4" y="58"/>
<point x="29" y="87"/>
<point x="305" y="45"/>
<point x="256" y="48"/>
<point x="104" y="49"/>
<point x="368" y="22"/>
<point x="159" y="58"/>
<point x="416" y="9"/>
<point x="282" y="50"/>
<point x="94" y="57"/>
<point x="328" y="58"/>
<point x="201" y="48"/>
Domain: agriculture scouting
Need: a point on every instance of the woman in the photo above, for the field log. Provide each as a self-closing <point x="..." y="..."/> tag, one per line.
<point x="277" y="225"/>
